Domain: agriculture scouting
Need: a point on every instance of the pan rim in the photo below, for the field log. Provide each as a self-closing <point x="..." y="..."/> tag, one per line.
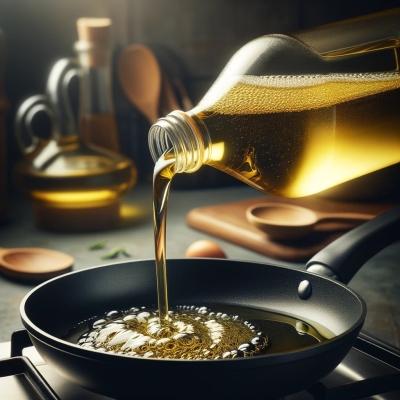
<point x="78" y="351"/>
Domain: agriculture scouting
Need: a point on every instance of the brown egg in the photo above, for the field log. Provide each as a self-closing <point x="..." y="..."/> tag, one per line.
<point x="205" y="248"/>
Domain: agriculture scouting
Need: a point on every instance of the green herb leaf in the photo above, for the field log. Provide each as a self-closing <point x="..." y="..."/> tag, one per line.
<point x="116" y="253"/>
<point x="98" y="246"/>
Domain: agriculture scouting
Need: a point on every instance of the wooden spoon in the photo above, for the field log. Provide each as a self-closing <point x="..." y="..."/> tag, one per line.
<point x="140" y="77"/>
<point x="286" y="221"/>
<point x="34" y="263"/>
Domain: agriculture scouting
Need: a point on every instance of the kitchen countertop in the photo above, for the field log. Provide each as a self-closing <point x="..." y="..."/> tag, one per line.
<point x="378" y="282"/>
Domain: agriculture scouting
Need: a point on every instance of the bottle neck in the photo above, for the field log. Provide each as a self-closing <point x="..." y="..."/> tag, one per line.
<point x="186" y="137"/>
<point x="95" y="78"/>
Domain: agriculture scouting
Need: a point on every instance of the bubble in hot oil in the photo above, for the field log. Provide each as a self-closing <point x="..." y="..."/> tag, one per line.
<point x="190" y="333"/>
<point x="302" y="328"/>
<point x="99" y="323"/>
<point x="113" y="314"/>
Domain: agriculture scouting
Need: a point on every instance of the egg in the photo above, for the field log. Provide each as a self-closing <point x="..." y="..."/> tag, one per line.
<point x="205" y="248"/>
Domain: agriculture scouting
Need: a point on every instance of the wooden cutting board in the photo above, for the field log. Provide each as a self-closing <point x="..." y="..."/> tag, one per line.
<point x="228" y="221"/>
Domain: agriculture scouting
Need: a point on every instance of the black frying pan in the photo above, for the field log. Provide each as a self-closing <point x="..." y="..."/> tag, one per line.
<point x="50" y="310"/>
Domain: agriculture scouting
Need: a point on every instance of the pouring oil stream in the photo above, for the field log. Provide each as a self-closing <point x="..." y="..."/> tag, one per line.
<point x="164" y="171"/>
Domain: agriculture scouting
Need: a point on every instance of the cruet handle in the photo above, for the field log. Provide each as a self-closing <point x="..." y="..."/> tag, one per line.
<point x="26" y="136"/>
<point x="58" y="89"/>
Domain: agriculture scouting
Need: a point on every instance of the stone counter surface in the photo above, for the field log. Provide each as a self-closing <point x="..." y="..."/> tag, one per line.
<point x="378" y="282"/>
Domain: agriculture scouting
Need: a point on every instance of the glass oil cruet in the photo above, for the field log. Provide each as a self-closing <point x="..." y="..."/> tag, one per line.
<point x="73" y="184"/>
<point x="97" y="122"/>
<point x="297" y="114"/>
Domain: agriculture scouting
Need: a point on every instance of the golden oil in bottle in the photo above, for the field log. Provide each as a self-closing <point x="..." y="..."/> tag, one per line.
<point x="289" y="135"/>
<point x="74" y="186"/>
<point x="299" y="135"/>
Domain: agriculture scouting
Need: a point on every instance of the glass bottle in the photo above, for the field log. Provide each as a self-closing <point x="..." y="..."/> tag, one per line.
<point x="74" y="186"/>
<point x="97" y="121"/>
<point x="295" y="115"/>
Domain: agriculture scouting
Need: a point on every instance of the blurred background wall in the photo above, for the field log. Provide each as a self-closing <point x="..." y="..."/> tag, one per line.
<point x="202" y="34"/>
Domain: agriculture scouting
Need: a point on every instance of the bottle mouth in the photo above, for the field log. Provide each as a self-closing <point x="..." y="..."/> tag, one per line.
<point x="179" y="133"/>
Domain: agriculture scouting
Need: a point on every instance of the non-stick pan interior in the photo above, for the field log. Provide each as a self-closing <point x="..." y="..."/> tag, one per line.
<point x="58" y="305"/>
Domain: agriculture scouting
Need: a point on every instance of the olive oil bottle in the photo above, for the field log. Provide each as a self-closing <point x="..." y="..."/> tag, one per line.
<point x="287" y="119"/>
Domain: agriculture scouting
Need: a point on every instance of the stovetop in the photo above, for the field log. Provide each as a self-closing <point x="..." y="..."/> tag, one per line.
<point x="371" y="370"/>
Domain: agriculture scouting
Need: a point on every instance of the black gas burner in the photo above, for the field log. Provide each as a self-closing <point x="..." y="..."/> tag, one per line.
<point x="370" y="371"/>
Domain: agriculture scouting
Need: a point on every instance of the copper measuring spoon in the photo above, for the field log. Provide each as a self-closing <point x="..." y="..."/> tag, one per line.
<point x="287" y="221"/>
<point x="34" y="263"/>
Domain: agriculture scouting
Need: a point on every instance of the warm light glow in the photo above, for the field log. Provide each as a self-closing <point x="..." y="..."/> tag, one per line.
<point x="77" y="198"/>
<point x="334" y="158"/>
<point x="217" y="151"/>
<point x="131" y="212"/>
<point x="316" y="170"/>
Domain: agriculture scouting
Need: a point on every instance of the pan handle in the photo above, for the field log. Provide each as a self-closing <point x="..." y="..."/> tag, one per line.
<point x="19" y="341"/>
<point x="346" y="255"/>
